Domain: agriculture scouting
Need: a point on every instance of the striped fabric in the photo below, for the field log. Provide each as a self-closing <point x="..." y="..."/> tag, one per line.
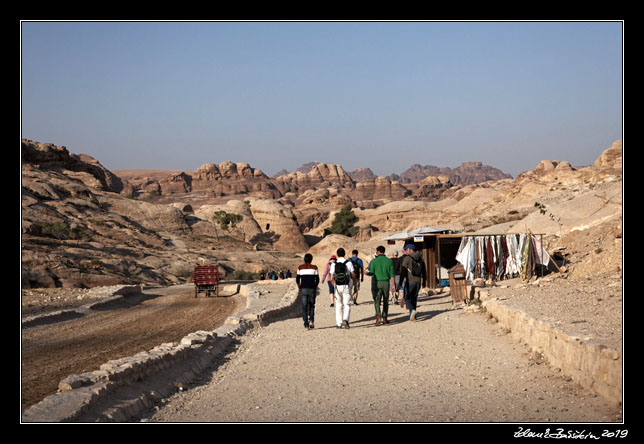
<point x="307" y="276"/>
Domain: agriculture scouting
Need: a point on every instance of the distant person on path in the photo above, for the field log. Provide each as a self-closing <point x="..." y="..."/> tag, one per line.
<point x="382" y="268"/>
<point x="307" y="280"/>
<point x="412" y="269"/>
<point x="358" y="272"/>
<point x="342" y="275"/>
<point x="396" y="261"/>
<point x="327" y="277"/>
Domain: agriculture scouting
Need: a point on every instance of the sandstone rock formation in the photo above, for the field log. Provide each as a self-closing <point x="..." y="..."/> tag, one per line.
<point x="79" y="231"/>
<point x="321" y="175"/>
<point x="279" y="224"/>
<point x="468" y="173"/>
<point x="361" y="174"/>
<point x="79" y="228"/>
<point x="83" y="167"/>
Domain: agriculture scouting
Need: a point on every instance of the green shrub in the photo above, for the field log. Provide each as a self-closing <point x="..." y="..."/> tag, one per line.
<point x="226" y="219"/>
<point x="343" y="223"/>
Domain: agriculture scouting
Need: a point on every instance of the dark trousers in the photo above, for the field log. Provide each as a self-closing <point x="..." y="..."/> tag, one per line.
<point x="308" y="305"/>
<point x="382" y="294"/>
<point x="411" y="295"/>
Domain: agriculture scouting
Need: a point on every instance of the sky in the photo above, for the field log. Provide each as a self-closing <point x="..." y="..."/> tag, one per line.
<point x="277" y="94"/>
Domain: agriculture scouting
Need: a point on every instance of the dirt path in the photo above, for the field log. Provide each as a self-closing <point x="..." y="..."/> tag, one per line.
<point x="448" y="366"/>
<point x="52" y="352"/>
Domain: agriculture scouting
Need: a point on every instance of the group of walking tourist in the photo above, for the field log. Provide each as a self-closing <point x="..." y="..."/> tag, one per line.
<point x="389" y="276"/>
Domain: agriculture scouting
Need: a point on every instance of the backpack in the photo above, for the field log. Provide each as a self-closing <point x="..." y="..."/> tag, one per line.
<point x="341" y="275"/>
<point x="356" y="265"/>
<point x="416" y="268"/>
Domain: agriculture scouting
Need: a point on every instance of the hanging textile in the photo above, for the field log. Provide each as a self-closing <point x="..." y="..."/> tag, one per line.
<point x="506" y="254"/>
<point x="541" y="255"/>
<point x="500" y="264"/>
<point x="501" y="256"/>
<point x="490" y="257"/>
<point x="466" y="256"/>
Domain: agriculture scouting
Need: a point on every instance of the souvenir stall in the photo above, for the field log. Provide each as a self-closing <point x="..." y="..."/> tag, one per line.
<point x="487" y="256"/>
<point x="503" y="256"/>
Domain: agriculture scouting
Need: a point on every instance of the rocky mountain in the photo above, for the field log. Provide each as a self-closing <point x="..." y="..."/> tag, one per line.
<point x="83" y="225"/>
<point x="80" y="230"/>
<point x="229" y="180"/>
<point x="468" y="173"/>
<point x="362" y="174"/>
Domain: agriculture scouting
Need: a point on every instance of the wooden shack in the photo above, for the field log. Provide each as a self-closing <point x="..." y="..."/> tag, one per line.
<point x="439" y="247"/>
<point x="438" y="252"/>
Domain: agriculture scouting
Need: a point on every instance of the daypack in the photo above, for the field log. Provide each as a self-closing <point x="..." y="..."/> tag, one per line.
<point x="341" y="275"/>
<point x="416" y="268"/>
<point x="356" y="265"/>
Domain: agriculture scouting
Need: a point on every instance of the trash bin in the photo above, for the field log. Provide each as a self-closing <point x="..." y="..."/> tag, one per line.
<point x="458" y="284"/>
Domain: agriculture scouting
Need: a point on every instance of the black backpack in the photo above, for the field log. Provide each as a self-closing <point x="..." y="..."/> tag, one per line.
<point x="356" y="266"/>
<point x="416" y="268"/>
<point x="341" y="275"/>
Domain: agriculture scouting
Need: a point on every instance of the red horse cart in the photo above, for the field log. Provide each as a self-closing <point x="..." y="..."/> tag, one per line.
<point x="206" y="279"/>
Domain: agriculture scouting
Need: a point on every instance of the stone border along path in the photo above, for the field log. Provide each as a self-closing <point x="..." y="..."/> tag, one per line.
<point x="125" y="387"/>
<point x="135" y="384"/>
<point x="593" y="366"/>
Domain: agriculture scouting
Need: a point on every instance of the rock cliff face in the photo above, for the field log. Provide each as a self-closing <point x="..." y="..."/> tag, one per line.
<point x="233" y="179"/>
<point x="321" y="175"/>
<point x="361" y="174"/>
<point x="230" y="180"/>
<point x="380" y="189"/>
<point x="468" y="173"/>
<point x="81" y="226"/>
<point x="82" y="167"/>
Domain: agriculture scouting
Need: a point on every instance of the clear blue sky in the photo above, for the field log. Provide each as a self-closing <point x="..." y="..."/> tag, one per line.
<point x="383" y="95"/>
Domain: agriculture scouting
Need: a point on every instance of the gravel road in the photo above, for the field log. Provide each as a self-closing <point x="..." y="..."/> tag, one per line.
<point x="450" y="365"/>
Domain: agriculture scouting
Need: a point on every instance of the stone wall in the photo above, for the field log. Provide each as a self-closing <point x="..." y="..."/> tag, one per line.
<point x="594" y="366"/>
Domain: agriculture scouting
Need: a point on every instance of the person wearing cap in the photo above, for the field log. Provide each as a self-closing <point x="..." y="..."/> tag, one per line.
<point x="327" y="276"/>
<point x="383" y="270"/>
<point x="412" y="269"/>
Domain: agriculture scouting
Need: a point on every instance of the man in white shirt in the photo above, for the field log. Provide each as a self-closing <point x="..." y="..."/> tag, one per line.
<point x="342" y="275"/>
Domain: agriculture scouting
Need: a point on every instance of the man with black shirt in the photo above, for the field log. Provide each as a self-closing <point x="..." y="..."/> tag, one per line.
<point x="412" y="269"/>
<point x="307" y="280"/>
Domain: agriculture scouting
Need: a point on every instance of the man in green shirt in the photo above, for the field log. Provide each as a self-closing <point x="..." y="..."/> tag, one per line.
<point x="382" y="268"/>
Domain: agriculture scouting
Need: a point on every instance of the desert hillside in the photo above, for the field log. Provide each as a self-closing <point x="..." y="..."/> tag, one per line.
<point x="84" y="226"/>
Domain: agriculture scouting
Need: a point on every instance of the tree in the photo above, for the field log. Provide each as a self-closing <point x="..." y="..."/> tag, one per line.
<point x="343" y="223"/>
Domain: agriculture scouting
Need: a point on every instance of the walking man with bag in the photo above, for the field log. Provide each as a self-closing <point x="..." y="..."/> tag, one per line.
<point x="412" y="269"/>
<point x="341" y="276"/>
